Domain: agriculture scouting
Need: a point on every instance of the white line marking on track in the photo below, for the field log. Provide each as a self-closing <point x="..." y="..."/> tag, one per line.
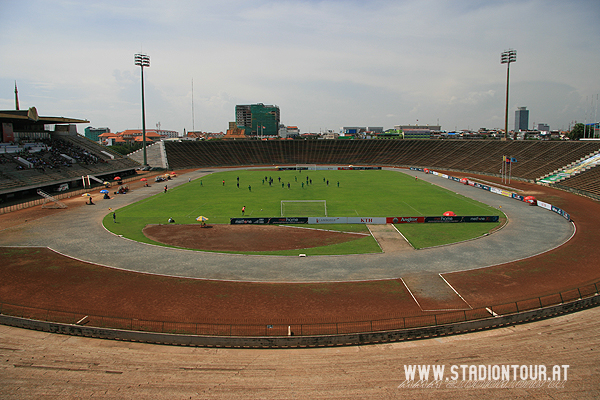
<point x="411" y="294"/>
<point x="458" y="294"/>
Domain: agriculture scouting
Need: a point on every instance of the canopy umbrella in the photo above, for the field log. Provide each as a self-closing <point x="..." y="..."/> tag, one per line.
<point x="202" y="220"/>
<point x="449" y="214"/>
<point x="117" y="178"/>
<point x="86" y="195"/>
<point x="143" y="179"/>
<point x="104" y="191"/>
<point x="531" y="200"/>
<point x="106" y="183"/>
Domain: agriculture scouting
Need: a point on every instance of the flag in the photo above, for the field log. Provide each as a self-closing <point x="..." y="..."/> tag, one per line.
<point x="513" y="159"/>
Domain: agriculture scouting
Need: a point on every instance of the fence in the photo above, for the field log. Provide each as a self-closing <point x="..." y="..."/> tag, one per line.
<point x="207" y="328"/>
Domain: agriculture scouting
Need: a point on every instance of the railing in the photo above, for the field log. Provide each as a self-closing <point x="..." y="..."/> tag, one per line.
<point x="283" y="328"/>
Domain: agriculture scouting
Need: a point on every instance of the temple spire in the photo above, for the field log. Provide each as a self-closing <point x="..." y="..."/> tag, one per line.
<point x="16" y="96"/>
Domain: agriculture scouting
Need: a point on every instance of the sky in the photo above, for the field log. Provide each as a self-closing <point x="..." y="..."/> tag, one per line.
<point x="326" y="64"/>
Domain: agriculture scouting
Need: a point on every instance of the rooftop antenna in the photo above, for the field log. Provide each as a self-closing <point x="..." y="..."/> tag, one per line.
<point x="596" y="116"/>
<point x="16" y="97"/>
<point x="193" y="126"/>
<point x="585" y="120"/>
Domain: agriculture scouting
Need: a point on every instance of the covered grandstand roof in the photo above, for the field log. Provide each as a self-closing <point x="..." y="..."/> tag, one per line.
<point x="31" y="116"/>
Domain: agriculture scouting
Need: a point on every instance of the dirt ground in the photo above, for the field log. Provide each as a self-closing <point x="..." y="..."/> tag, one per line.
<point x="244" y="237"/>
<point x="571" y="265"/>
<point x="41" y="278"/>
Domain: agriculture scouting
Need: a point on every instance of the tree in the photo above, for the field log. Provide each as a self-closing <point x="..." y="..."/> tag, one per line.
<point x="577" y="131"/>
<point x="126" y="148"/>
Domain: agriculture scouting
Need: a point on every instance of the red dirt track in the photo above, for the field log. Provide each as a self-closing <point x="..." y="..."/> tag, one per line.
<point x="572" y="265"/>
<point x="43" y="279"/>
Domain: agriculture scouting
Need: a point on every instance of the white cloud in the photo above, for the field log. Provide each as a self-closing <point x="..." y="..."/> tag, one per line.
<point x="325" y="63"/>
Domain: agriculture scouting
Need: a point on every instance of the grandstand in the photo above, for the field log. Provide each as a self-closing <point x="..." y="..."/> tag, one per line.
<point x="534" y="158"/>
<point x="63" y="159"/>
<point x="586" y="183"/>
<point x="32" y="157"/>
<point x="41" y="159"/>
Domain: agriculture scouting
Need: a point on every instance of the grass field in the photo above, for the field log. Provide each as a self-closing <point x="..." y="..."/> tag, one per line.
<point x="371" y="193"/>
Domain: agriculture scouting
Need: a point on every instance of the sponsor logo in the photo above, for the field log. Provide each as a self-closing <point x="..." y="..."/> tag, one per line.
<point x="404" y="220"/>
<point x="409" y="219"/>
<point x="326" y="220"/>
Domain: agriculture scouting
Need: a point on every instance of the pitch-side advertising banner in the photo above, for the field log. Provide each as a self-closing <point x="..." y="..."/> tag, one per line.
<point x="490" y="218"/>
<point x="353" y="168"/>
<point x="359" y="220"/>
<point x="347" y="220"/>
<point x="544" y="205"/>
<point x="366" y="220"/>
<point x="268" y="221"/>
<point x="442" y="219"/>
<point x="327" y="220"/>
<point x="561" y="212"/>
<point x="405" y="220"/>
<point x="501" y="192"/>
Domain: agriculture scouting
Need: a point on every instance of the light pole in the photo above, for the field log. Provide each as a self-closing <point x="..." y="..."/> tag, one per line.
<point x="143" y="61"/>
<point x="507" y="57"/>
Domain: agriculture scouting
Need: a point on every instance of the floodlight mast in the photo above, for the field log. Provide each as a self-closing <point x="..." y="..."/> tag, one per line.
<point x="507" y="57"/>
<point x="143" y="60"/>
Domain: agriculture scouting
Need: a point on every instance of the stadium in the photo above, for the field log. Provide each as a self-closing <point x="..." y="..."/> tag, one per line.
<point x="68" y="273"/>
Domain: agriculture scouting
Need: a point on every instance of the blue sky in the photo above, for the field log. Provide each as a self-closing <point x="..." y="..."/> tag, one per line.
<point x="326" y="64"/>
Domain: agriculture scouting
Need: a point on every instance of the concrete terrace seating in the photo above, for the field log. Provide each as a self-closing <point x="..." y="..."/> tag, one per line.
<point x="534" y="158"/>
<point x="50" y="166"/>
<point x="587" y="182"/>
<point x="118" y="162"/>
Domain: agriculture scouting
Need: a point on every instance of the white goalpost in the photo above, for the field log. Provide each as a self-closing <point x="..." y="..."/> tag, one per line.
<point x="303" y="208"/>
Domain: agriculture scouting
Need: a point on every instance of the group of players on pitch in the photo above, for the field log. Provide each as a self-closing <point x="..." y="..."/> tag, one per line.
<point x="271" y="181"/>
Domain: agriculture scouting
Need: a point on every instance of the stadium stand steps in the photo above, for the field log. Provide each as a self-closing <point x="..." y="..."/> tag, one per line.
<point x="534" y="158"/>
<point x="586" y="183"/>
<point x="572" y="164"/>
<point x="48" y="171"/>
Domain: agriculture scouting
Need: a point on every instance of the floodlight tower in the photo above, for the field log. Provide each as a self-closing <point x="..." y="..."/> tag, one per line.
<point x="143" y="61"/>
<point x="507" y="57"/>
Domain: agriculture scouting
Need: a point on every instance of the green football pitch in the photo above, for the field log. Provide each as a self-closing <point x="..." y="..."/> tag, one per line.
<point x="369" y="193"/>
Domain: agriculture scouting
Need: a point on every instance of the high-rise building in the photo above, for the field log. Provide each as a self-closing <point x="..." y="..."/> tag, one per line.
<point x="543" y="127"/>
<point x="94" y="133"/>
<point x="521" y="119"/>
<point x="258" y="119"/>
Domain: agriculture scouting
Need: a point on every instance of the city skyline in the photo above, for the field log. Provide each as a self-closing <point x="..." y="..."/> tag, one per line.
<point x="326" y="64"/>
